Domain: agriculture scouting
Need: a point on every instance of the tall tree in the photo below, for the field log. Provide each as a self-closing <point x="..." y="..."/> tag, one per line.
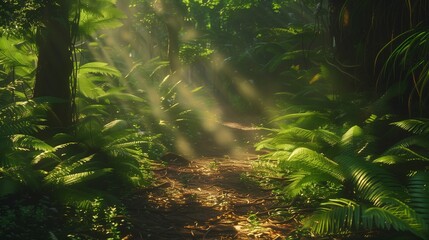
<point x="50" y="21"/>
<point x="172" y="14"/>
<point x="55" y="64"/>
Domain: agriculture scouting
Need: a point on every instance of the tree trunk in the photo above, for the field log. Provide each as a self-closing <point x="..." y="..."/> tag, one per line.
<point x="173" y="46"/>
<point x="55" y="63"/>
<point x="172" y="15"/>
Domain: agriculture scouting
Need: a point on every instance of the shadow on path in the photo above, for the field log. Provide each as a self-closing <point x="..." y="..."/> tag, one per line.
<point x="207" y="198"/>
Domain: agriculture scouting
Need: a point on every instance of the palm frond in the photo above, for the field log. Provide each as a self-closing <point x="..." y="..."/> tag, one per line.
<point x="417" y="126"/>
<point x="371" y="181"/>
<point x="342" y="216"/>
<point x="418" y="188"/>
<point x="413" y="148"/>
<point x="335" y="216"/>
<point x="383" y="219"/>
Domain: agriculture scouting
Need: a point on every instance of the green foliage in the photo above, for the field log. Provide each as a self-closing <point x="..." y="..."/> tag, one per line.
<point x="20" y="15"/>
<point x="167" y="101"/>
<point x="17" y="69"/>
<point x="97" y="15"/>
<point x="365" y="192"/>
<point x="96" y="155"/>
<point x="407" y="62"/>
<point x="17" y="122"/>
<point x="97" y="220"/>
<point x="21" y="220"/>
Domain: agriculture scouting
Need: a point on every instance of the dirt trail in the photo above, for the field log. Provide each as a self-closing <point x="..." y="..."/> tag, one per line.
<point x="209" y="197"/>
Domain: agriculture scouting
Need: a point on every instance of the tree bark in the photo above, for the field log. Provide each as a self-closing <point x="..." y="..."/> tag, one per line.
<point x="55" y="63"/>
<point x="173" y="46"/>
<point x="172" y="15"/>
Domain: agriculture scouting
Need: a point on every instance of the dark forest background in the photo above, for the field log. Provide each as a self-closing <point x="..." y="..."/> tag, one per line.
<point x="94" y="92"/>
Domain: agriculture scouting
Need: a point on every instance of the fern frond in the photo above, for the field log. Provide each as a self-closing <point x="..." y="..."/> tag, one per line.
<point x="11" y="56"/>
<point x="120" y="96"/>
<point x="19" y="117"/>
<point x="99" y="68"/>
<point x="413" y="148"/>
<point x="416" y="126"/>
<point x="93" y="109"/>
<point x="376" y="217"/>
<point x="327" y="136"/>
<point x="352" y="135"/>
<point x="114" y="126"/>
<point x="279" y="155"/>
<point x="388" y="159"/>
<point x="335" y="216"/>
<point x="306" y="159"/>
<point x="98" y="14"/>
<point x="406" y="213"/>
<point x="45" y="156"/>
<point x="418" y="188"/>
<point x="300" y="180"/>
<point x="30" y="142"/>
<point x="65" y="168"/>
<point x="344" y="215"/>
<point x="296" y="132"/>
<point x="371" y="181"/>
<point x="79" y="177"/>
<point x="418" y="141"/>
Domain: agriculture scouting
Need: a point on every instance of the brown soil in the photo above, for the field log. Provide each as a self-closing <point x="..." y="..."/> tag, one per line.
<point x="209" y="197"/>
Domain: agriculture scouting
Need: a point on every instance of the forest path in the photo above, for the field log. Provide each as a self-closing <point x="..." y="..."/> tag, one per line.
<point x="209" y="197"/>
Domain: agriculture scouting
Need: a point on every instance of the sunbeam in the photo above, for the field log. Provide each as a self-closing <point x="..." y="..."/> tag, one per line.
<point x="205" y="92"/>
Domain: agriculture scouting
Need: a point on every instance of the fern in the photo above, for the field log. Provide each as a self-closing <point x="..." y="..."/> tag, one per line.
<point x="410" y="149"/>
<point x="340" y="216"/>
<point x="98" y="151"/>
<point x="373" y="183"/>
<point x="15" y="53"/>
<point x="90" y="84"/>
<point x="416" y="126"/>
<point x="20" y="117"/>
<point x="66" y="168"/>
<point x="98" y="14"/>
<point x="18" y="148"/>
<point x="371" y="196"/>
<point x="21" y="141"/>
<point x="337" y="216"/>
<point x="311" y="161"/>
<point x="419" y="194"/>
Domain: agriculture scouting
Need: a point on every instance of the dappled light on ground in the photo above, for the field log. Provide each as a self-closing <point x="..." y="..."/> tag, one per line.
<point x="208" y="198"/>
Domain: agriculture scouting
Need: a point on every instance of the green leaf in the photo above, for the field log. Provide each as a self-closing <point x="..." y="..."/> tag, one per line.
<point x="120" y="96"/>
<point x="100" y="68"/>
